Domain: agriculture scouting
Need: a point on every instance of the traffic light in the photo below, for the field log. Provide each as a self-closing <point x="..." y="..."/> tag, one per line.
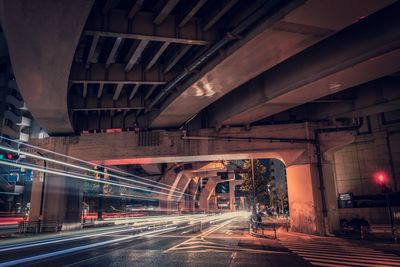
<point x="9" y="156"/>
<point x="381" y="178"/>
<point x="223" y="175"/>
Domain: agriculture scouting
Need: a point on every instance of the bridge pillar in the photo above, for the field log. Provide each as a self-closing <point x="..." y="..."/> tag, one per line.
<point x="55" y="202"/>
<point x="304" y="199"/>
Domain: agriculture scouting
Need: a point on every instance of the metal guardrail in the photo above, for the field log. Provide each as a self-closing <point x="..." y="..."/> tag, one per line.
<point x="261" y="229"/>
<point x="39" y="226"/>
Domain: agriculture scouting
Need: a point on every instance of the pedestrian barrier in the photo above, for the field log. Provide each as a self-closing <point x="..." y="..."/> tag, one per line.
<point x="261" y="229"/>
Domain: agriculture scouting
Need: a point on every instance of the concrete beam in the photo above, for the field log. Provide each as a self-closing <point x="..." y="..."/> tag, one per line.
<point x="214" y="18"/>
<point x="113" y="52"/>
<point x="157" y="55"/>
<point x="165" y="32"/>
<point x="49" y="45"/>
<point x="165" y="11"/>
<point x="366" y="51"/>
<point x="115" y="74"/>
<point x="192" y="12"/>
<point x="137" y="53"/>
<point x="124" y="147"/>
<point x="265" y="46"/>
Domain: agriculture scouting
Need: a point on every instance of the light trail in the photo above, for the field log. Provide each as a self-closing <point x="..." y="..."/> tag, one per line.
<point x="86" y="169"/>
<point x="49" y="170"/>
<point x="80" y="248"/>
<point x="82" y="161"/>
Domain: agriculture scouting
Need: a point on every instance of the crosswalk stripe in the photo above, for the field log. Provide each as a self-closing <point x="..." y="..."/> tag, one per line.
<point x="362" y="256"/>
<point x="341" y="262"/>
<point x="333" y="247"/>
<point x="339" y="251"/>
<point x="329" y="264"/>
<point x="340" y="254"/>
<point x="370" y="260"/>
<point x="350" y="247"/>
<point x="383" y="256"/>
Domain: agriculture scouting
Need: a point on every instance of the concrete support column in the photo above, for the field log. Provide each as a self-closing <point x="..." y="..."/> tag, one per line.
<point x="55" y="199"/>
<point x="232" y="186"/>
<point x="206" y="193"/>
<point x="305" y="201"/>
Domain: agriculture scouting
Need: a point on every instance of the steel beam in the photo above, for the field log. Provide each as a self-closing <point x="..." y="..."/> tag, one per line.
<point x="157" y="56"/>
<point x="155" y="38"/>
<point x="150" y="92"/>
<point x="107" y="6"/>
<point x="118" y="91"/>
<point x="135" y="8"/>
<point x="115" y="73"/>
<point x="136" y="55"/>
<point x="84" y="93"/>
<point x="114" y="49"/>
<point x="108" y="109"/>
<point x="192" y="12"/>
<point x="92" y="49"/>
<point x="100" y="91"/>
<point x="176" y="58"/>
<point x="169" y="6"/>
<point x="219" y="14"/>
<point x="134" y="91"/>
<point x="141" y="27"/>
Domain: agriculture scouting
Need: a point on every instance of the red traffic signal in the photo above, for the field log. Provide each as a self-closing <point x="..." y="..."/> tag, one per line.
<point x="9" y="156"/>
<point x="381" y="178"/>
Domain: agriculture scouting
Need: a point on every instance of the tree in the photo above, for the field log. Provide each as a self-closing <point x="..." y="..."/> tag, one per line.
<point x="278" y="196"/>
<point x="261" y="182"/>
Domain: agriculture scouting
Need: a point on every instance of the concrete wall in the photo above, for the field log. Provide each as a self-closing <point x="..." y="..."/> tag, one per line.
<point x="376" y="149"/>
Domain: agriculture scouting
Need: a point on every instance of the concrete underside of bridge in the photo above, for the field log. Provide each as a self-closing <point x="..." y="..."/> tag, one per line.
<point x="86" y="65"/>
<point x="296" y="148"/>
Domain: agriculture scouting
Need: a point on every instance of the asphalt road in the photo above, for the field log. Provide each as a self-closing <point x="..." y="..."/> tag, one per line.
<point x="225" y="243"/>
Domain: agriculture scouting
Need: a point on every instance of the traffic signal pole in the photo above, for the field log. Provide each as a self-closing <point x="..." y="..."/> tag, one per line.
<point x="101" y="191"/>
<point x="386" y="190"/>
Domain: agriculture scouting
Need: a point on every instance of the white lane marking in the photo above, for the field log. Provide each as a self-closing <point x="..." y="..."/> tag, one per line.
<point x="76" y="249"/>
<point x="200" y="235"/>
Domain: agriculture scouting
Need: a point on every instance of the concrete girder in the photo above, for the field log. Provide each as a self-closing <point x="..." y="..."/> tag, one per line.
<point x="106" y="102"/>
<point x="124" y="147"/>
<point x="367" y="99"/>
<point x="180" y="181"/>
<point x="136" y="55"/>
<point x="192" y="12"/>
<point x="165" y="11"/>
<point x="45" y="35"/>
<point x="209" y="189"/>
<point x="281" y="36"/>
<point x="165" y="32"/>
<point x="100" y="73"/>
<point x="214" y="18"/>
<point x="328" y="67"/>
<point x="96" y="122"/>
<point x="135" y="8"/>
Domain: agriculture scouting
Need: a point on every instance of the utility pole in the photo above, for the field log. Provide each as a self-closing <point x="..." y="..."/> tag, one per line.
<point x="254" y="184"/>
<point x="101" y="191"/>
